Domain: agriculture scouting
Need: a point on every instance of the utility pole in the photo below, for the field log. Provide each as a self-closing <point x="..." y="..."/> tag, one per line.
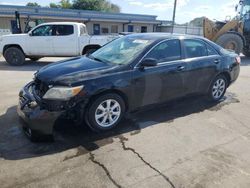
<point x="173" y="20"/>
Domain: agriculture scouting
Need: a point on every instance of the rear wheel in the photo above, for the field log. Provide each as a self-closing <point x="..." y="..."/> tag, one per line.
<point x="14" y="56"/>
<point x="231" y="41"/>
<point x="218" y="88"/>
<point x="105" y="112"/>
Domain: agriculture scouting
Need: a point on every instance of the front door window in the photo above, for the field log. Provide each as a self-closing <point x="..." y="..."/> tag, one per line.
<point x="45" y="30"/>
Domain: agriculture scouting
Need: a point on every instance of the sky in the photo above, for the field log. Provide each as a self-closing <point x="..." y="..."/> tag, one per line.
<point x="186" y="9"/>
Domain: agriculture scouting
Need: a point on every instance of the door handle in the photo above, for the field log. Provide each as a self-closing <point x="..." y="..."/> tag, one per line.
<point x="180" y="68"/>
<point x="216" y="61"/>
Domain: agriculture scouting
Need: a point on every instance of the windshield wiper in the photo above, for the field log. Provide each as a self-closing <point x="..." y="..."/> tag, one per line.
<point x="95" y="58"/>
<point x="98" y="59"/>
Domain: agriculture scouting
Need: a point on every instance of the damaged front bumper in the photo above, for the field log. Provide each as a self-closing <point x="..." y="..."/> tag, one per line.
<point x="35" y="117"/>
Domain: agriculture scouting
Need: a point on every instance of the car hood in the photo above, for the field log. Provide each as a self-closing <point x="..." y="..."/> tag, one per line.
<point x="68" y="72"/>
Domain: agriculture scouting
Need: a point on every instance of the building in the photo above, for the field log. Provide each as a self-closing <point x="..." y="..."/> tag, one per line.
<point x="97" y="22"/>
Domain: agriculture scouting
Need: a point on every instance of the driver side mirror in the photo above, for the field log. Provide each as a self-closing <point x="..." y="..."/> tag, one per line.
<point x="30" y="34"/>
<point x="148" y="62"/>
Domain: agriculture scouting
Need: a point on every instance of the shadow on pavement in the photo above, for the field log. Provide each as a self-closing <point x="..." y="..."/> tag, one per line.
<point x="28" y="65"/>
<point x="15" y="146"/>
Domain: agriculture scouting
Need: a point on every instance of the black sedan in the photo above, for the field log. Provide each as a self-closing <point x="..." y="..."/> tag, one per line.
<point x="129" y="73"/>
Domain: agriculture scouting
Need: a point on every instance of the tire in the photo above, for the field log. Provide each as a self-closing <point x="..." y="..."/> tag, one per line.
<point x="14" y="56"/>
<point x="246" y="53"/>
<point x="34" y="58"/>
<point x="101" y="118"/>
<point x="89" y="51"/>
<point x="218" y="88"/>
<point x="231" y="41"/>
<point x="36" y="137"/>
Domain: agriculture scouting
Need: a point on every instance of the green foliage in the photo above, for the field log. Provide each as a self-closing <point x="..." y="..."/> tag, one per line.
<point x="65" y="4"/>
<point x="54" y="5"/>
<point x="62" y="4"/>
<point x="34" y="4"/>
<point x="97" y="5"/>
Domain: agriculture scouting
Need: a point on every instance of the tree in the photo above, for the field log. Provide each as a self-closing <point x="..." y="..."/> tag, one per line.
<point x="34" y="4"/>
<point x="54" y="5"/>
<point x="97" y="5"/>
<point x="62" y="4"/>
<point x="65" y="4"/>
<point x="115" y="8"/>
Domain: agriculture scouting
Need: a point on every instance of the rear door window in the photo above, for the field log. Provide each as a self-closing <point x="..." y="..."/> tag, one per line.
<point x="211" y="50"/>
<point x="166" y="51"/>
<point x="63" y="30"/>
<point x="195" y="48"/>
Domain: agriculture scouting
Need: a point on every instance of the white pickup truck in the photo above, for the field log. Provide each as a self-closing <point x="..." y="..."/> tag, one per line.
<point x="56" y="39"/>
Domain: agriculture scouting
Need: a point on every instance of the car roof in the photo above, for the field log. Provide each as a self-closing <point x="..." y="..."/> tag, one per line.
<point x="159" y="36"/>
<point x="164" y="36"/>
<point x="61" y="23"/>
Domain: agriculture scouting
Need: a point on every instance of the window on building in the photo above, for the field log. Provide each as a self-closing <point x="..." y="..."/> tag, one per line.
<point x="45" y="30"/>
<point x="166" y="51"/>
<point x="63" y="30"/>
<point x="14" y="27"/>
<point x="195" y="48"/>
<point x="130" y="28"/>
<point x="96" y="29"/>
<point x="114" y="28"/>
<point x="144" y="29"/>
<point x="105" y="30"/>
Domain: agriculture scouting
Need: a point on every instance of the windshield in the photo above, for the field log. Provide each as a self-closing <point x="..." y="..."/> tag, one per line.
<point x="122" y="50"/>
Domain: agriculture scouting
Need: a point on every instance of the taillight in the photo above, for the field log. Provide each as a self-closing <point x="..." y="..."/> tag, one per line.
<point x="238" y="59"/>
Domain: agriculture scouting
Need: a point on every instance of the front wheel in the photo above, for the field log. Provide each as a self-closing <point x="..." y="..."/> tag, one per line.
<point x="105" y="112"/>
<point x="218" y="88"/>
<point x="231" y="41"/>
<point x="14" y="56"/>
<point x="36" y="137"/>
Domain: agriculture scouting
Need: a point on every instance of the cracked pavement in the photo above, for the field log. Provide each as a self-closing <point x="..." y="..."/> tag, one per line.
<point x="185" y="144"/>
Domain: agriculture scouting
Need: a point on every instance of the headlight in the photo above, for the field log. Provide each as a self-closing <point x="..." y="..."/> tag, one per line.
<point x="62" y="93"/>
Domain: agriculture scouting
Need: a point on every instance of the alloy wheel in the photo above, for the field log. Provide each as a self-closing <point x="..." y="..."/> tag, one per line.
<point x="107" y="113"/>
<point x="218" y="88"/>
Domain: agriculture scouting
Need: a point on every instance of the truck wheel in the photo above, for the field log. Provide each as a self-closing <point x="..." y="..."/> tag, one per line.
<point x="89" y="50"/>
<point x="34" y="58"/>
<point x="105" y="112"/>
<point x="231" y="41"/>
<point x="14" y="56"/>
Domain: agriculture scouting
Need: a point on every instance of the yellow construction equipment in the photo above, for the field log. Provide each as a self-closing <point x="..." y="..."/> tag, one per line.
<point x="232" y="34"/>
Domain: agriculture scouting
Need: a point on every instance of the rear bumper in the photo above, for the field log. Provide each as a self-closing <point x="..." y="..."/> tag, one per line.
<point x="39" y="120"/>
<point x="234" y="72"/>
